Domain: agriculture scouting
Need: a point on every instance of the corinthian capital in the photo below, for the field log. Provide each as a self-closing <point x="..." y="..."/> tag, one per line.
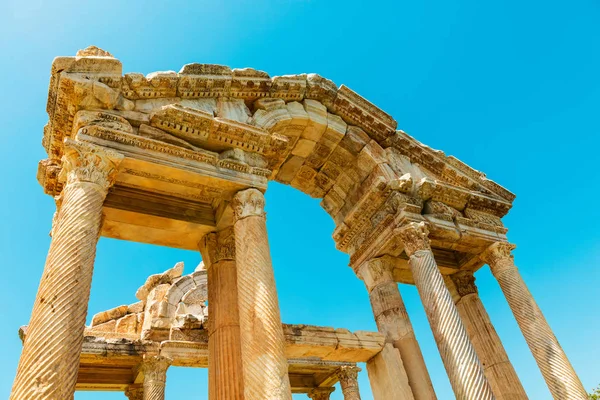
<point x="155" y="368"/>
<point x="464" y="282"/>
<point x="497" y="252"/>
<point x="217" y="246"/>
<point x="348" y="374"/>
<point x="85" y="162"/>
<point x="134" y="392"/>
<point x="415" y="237"/>
<point x="247" y="203"/>
<point x="320" y="393"/>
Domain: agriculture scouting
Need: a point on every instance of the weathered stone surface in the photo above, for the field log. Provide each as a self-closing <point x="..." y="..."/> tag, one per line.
<point x="186" y="143"/>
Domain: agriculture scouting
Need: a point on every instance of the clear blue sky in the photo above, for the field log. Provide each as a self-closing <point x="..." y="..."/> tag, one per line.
<point x="512" y="88"/>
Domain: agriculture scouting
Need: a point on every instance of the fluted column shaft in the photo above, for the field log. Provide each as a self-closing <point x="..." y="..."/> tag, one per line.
<point x="262" y="341"/>
<point x="349" y="382"/>
<point x="496" y="365"/>
<point x="50" y="359"/>
<point x="563" y="382"/>
<point x="393" y="321"/>
<point x="155" y="377"/>
<point x="225" y="373"/>
<point x="460" y="360"/>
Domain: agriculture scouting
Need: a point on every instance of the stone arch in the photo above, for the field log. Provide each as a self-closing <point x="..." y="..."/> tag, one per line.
<point x="301" y="130"/>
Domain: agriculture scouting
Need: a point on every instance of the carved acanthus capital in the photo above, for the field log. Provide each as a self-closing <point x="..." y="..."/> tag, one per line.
<point x="348" y="375"/>
<point x="134" y="392"/>
<point x="217" y="246"/>
<point x="415" y="237"/>
<point x="155" y="369"/>
<point x="376" y="271"/>
<point x="497" y="252"/>
<point x="499" y="257"/>
<point x="247" y="203"/>
<point x="464" y="282"/>
<point x="84" y="162"/>
<point x="320" y="393"/>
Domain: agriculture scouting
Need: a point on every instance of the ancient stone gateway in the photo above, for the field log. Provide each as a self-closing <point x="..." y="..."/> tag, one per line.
<point x="182" y="160"/>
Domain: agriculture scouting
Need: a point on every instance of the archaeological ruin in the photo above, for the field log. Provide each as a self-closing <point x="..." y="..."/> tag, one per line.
<point x="182" y="160"/>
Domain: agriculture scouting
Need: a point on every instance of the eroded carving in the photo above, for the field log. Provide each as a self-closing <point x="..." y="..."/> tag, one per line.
<point x="247" y="203"/>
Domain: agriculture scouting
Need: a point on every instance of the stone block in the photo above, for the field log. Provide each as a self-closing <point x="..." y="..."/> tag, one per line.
<point x="303" y="148"/>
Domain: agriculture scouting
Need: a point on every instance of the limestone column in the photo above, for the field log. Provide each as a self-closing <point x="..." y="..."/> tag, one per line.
<point x="320" y="393"/>
<point x="155" y="377"/>
<point x="488" y="346"/>
<point x="550" y="357"/>
<point x="225" y="374"/>
<point x="393" y="321"/>
<point x="262" y="341"/>
<point x="349" y="382"/>
<point x="50" y="358"/>
<point x="135" y="392"/>
<point x="460" y="360"/>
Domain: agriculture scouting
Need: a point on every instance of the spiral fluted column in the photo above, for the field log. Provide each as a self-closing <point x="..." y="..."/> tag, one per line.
<point x="563" y="382"/>
<point x="262" y="341"/>
<point x="155" y="377"/>
<point x="225" y="373"/>
<point x="496" y="365"/>
<point x="320" y="393"/>
<point x="348" y="377"/>
<point x="50" y="359"/>
<point x="460" y="360"/>
<point x="393" y="321"/>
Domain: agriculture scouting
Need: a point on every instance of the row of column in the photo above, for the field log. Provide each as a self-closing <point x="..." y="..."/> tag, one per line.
<point x="472" y="353"/>
<point x="247" y="348"/>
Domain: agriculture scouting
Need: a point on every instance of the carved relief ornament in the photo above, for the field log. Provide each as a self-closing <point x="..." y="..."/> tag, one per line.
<point x="415" y="237"/>
<point x="498" y="256"/>
<point x="320" y="393"/>
<point x="464" y="282"/>
<point x="155" y="369"/>
<point x="84" y="162"/>
<point x="217" y="246"/>
<point x="247" y="203"/>
<point x="497" y="252"/>
<point x="348" y="376"/>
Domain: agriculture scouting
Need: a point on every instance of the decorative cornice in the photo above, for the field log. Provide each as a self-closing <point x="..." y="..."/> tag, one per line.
<point x="248" y="203"/>
<point x="497" y="252"/>
<point x="84" y="162"/>
<point x="414" y="236"/>
<point x="464" y="282"/>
